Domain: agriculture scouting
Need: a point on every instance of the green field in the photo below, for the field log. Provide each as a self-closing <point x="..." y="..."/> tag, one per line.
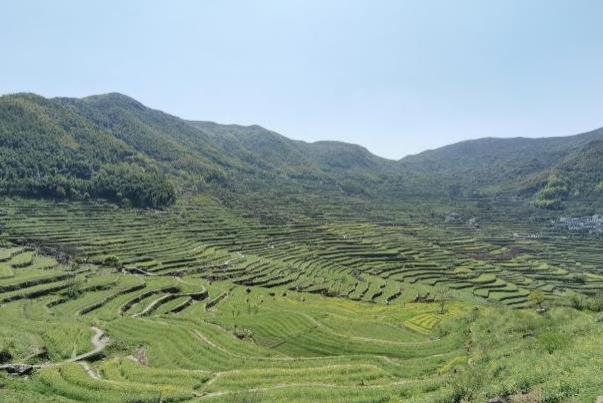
<point x="199" y="302"/>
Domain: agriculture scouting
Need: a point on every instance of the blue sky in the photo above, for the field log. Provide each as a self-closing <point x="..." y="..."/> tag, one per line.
<point x="395" y="76"/>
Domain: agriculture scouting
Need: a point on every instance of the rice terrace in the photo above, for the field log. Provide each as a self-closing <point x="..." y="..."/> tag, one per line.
<point x="198" y="303"/>
<point x="150" y="255"/>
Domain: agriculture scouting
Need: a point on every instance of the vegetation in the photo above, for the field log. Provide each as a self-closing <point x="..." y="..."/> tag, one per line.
<point x="48" y="151"/>
<point x="243" y="266"/>
<point x="131" y="184"/>
<point x="553" y="194"/>
<point x="112" y="147"/>
<point x="199" y="301"/>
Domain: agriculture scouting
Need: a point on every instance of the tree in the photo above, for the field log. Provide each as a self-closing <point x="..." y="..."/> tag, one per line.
<point x="60" y="192"/>
<point x="442" y="297"/>
<point x="455" y="191"/>
<point x="130" y="184"/>
<point x="536" y="298"/>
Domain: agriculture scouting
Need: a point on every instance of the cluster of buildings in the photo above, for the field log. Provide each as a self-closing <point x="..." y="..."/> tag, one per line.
<point x="591" y="224"/>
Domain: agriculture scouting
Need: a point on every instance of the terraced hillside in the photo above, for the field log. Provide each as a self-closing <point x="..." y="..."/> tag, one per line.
<point x="280" y="270"/>
<point x="202" y="302"/>
<point x="336" y="256"/>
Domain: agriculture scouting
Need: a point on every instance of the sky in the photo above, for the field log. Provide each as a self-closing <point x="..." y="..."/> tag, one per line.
<point x="396" y="76"/>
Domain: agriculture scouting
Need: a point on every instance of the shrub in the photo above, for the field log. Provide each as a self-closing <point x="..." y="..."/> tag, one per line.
<point x="553" y="340"/>
<point x="74" y="289"/>
<point x="537" y="298"/>
<point x="5" y="356"/>
<point x="112" y="261"/>
<point x="596" y="302"/>
<point x="578" y="301"/>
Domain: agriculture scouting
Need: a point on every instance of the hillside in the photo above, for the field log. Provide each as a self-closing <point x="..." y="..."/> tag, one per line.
<point x="79" y="148"/>
<point x="48" y="151"/>
<point x="327" y="165"/>
<point x="270" y="269"/>
<point x="551" y="173"/>
<point x="492" y="165"/>
<point x="113" y="147"/>
<point x="576" y="181"/>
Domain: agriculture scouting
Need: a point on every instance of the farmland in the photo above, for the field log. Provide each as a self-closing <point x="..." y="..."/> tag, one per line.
<point x="201" y="302"/>
<point x="148" y="255"/>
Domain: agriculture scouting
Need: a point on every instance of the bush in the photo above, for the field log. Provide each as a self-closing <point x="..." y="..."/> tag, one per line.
<point x="578" y="301"/>
<point x="112" y="261"/>
<point x="74" y="289"/>
<point x="553" y="340"/>
<point x="596" y="302"/>
<point x="5" y="356"/>
<point x="537" y="298"/>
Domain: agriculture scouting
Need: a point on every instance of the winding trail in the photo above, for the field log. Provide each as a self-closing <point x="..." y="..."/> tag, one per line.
<point x="98" y="340"/>
<point x="92" y="373"/>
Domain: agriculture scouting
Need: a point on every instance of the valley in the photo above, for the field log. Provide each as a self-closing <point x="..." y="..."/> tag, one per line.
<point x="147" y="258"/>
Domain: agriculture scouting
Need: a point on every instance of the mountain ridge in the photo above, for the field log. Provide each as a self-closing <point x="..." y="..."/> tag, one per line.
<point x="118" y="136"/>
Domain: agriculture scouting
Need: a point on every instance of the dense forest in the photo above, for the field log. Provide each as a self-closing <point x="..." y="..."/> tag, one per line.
<point x="47" y="151"/>
<point x="113" y="147"/>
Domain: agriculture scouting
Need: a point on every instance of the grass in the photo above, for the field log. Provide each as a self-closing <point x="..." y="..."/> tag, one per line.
<point x="201" y="303"/>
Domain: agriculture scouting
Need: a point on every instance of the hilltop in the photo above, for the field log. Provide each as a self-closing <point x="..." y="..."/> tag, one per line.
<point x="113" y="147"/>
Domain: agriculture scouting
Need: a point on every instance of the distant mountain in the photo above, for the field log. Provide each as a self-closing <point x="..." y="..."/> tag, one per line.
<point x="47" y="150"/>
<point x="577" y="180"/>
<point x="492" y="162"/>
<point x="547" y="171"/>
<point x="113" y="147"/>
<point x="327" y="164"/>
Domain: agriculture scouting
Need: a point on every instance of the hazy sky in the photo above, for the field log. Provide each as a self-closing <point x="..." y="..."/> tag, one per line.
<point x="396" y="76"/>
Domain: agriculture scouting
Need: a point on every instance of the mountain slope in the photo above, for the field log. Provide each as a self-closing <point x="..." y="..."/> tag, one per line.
<point x="202" y="156"/>
<point x="577" y="180"/>
<point x="493" y="165"/>
<point x="48" y="151"/>
<point x="111" y="146"/>
<point x="348" y="167"/>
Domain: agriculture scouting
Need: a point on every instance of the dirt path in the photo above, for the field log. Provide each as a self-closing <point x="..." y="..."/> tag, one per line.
<point x="92" y="373"/>
<point x="98" y="340"/>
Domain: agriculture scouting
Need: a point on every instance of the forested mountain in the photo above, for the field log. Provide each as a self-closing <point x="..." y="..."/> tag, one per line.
<point x="350" y="168"/>
<point x="492" y="165"/>
<point x="113" y="147"/>
<point x="46" y="150"/>
<point x="577" y="180"/>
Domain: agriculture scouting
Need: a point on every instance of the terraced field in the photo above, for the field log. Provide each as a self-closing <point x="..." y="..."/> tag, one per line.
<point x="199" y="302"/>
<point x="336" y="257"/>
<point x="186" y="338"/>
